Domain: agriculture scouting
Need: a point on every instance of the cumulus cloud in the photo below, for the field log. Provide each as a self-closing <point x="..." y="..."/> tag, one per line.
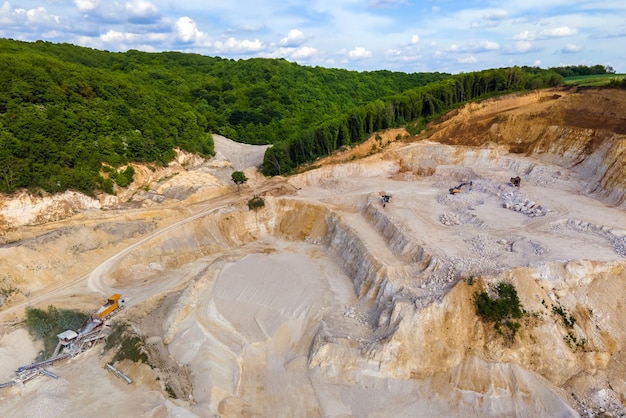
<point x="304" y="52"/>
<point x="571" y="48"/>
<point x="470" y="59"/>
<point x="557" y="32"/>
<point x="525" y="36"/>
<point x="113" y="36"/>
<point x="293" y="38"/>
<point x="482" y="46"/>
<point x="392" y="52"/>
<point x="186" y="30"/>
<point x="522" y="46"/>
<point x="484" y="24"/>
<point x="415" y="39"/>
<point x="359" y="53"/>
<point x="141" y="8"/>
<point x="84" y="6"/>
<point x="545" y="34"/>
<point x="40" y="16"/>
<point x="31" y="18"/>
<point x="489" y="45"/>
<point x="235" y="46"/>
<point x="5" y="14"/>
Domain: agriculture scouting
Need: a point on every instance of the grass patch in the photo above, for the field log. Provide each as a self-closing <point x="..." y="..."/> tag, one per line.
<point x="129" y="345"/>
<point x="502" y="307"/>
<point x="596" y="80"/>
<point x="46" y="325"/>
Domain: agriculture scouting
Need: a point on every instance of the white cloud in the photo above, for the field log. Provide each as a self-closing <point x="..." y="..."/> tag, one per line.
<point x="393" y="52"/>
<point x="113" y="36"/>
<point x="5" y="14"/>
<point x="385" y="3"/>
<point x="359" y="53"/>
<point x="304" y="52"/>
<point x="415" y="39"/>
<point x="470" y="59"/>
<point x="293" y="38"/>
<point x="482" y="46"/>
<point x="141" y="8"/>
<point x="489" y="45"/>
<point x="525" y="36"/>
<point x="571" y="48"/>
<point x="86" y="5"/>
<point x="484" y="24"/>
<point x="496" y="15"/>
<point x="235" y="46"/>
<point x="558" y="32"/>
<point x="40" y="16"/>
<point x="186" y="30"/>
<point x="522" y="46"/>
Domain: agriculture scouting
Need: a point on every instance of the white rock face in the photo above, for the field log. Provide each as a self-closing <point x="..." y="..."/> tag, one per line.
<point x="26" y="209"/>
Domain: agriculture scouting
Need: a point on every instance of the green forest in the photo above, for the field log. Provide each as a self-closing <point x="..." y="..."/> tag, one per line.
<point x="74" y="117"/>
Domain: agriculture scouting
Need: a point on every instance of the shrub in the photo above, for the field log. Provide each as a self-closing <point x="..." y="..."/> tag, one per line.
<point x="500" y="309"/>
<point x="568" y="320"/>
<point x="130" y="346"/>
<point x="46" y="325"/>
<point x="255" y="203"/>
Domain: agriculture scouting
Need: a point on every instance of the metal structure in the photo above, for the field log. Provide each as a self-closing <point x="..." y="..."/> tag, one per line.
<point x="72" y="343"/>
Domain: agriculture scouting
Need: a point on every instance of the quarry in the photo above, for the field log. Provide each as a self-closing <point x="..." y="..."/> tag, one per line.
<point x="351" y="291"/>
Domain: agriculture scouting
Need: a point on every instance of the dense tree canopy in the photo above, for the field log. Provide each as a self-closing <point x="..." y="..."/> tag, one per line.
<point x="66" y="110"/>
<point x="417" y="104"/>
<point x="74" y="117"/>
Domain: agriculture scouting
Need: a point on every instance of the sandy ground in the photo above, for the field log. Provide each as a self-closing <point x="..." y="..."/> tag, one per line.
<point x="303" y="308"/>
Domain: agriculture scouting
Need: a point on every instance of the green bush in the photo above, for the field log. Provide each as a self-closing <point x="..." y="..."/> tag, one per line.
<point x="46" y="325"/>
<point x="503" y="306"/>
<point x="255" y="203"/>
<point x="129" y="345"/>
<point x="500" y="309"/>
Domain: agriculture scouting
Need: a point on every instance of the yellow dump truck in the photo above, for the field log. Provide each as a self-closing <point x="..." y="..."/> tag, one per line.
<point x="114" y="304"/>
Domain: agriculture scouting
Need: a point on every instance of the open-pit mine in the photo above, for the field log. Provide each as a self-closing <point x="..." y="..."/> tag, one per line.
<point x="352" y="290"/>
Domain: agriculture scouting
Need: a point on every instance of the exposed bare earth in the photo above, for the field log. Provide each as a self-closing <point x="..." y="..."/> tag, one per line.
<point x="324" y="302"/>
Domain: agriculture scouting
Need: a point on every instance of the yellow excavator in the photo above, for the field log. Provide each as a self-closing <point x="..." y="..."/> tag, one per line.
<point x="457" y="189"/>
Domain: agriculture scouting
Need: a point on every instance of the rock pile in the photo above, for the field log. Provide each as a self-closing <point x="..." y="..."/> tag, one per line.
<point x="617" y="238"/>
<point x="514" y="200"/>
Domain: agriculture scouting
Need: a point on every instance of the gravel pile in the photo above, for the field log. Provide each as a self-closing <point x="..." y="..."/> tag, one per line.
<point x="515" y="200"/>
<point x="617" y="238"/>
<point x="604" y="403"/>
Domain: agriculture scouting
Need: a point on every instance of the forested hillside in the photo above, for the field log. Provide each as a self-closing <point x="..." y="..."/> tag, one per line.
<point x="415" y="106"/>
<point x="65" y="110"/>
<point x="70" y="116"/>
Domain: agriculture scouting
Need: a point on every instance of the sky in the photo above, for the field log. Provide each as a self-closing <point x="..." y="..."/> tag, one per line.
<point x="451" y="36"/>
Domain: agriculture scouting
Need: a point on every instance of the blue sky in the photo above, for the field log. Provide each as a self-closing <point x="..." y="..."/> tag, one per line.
<point x="398" y="35"/>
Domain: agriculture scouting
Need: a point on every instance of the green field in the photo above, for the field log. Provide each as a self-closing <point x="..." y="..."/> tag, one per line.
<point x="593" y="80"/>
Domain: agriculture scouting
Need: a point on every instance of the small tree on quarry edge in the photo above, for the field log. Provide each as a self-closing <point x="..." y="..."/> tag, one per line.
<point x="239" y="178"/>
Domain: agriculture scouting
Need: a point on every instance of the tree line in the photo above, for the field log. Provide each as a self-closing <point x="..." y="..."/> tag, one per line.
<point x="420" y="104"/>
<point x="74" y="117"/>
